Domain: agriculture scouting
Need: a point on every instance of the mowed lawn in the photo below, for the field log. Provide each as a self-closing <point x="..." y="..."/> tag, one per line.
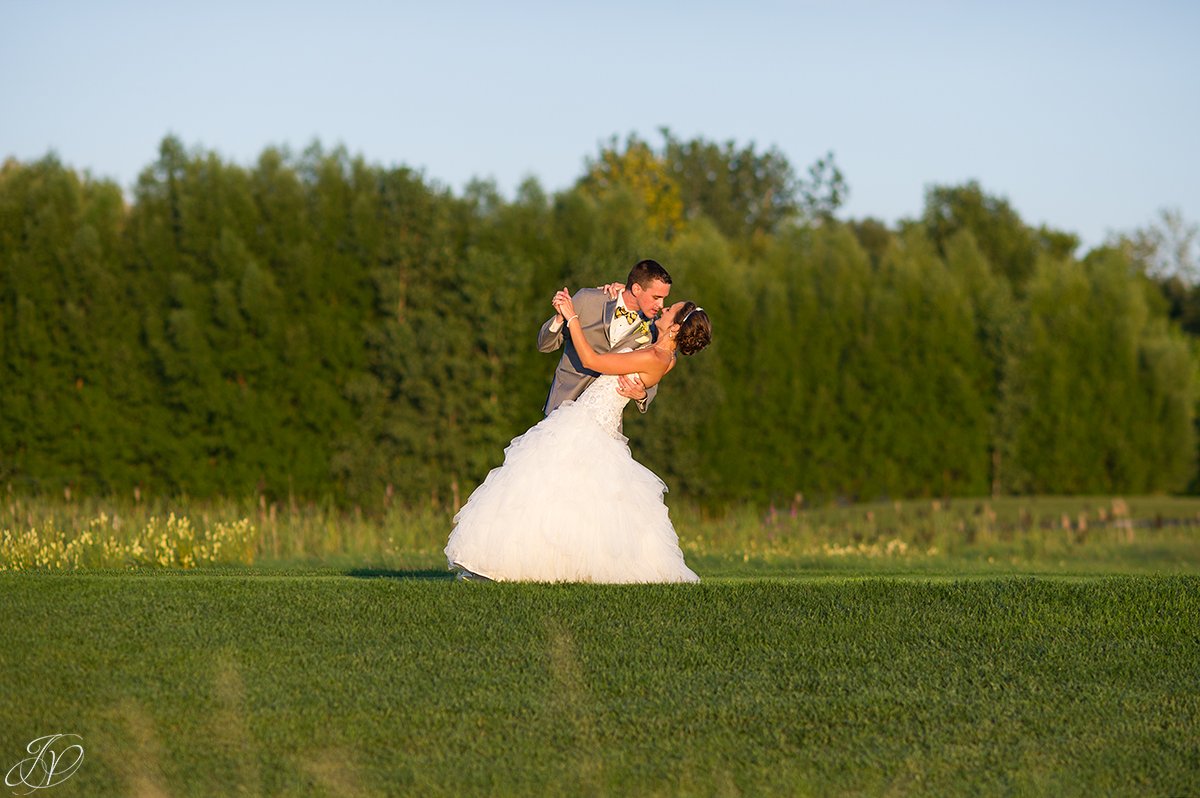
<point x="310" y="682"/>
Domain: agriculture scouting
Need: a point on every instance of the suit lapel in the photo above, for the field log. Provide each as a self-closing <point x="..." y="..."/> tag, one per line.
<point x="610" y="310"/>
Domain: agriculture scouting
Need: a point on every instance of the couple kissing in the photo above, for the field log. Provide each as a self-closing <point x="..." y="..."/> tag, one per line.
<point x="569" y="503"/>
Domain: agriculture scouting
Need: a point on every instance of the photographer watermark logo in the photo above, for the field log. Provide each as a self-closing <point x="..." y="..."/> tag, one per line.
<point x="54" y="761"/>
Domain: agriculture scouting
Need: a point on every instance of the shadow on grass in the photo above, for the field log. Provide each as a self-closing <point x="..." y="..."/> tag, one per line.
<point x="431" y="574"/>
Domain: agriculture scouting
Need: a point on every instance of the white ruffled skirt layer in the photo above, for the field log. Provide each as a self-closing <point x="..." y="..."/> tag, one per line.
<point x="569" y="504"/>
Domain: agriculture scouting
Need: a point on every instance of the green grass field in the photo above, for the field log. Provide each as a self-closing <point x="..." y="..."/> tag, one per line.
<point x="1023" y="646"/>
<point x="303" y="681"/>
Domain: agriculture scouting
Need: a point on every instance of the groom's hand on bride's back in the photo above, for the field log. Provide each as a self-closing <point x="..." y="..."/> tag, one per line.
<point x="631" y="387"/>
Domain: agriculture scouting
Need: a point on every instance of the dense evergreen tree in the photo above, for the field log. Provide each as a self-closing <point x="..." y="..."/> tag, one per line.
<point x="71" y="362"/>
<point x="1100" y="394"/>
<point x="1005" y="240"/>
<point x="746" y="194"/>
<point x="315" y="325"/>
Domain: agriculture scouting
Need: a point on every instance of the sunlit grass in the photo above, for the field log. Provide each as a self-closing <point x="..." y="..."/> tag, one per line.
<point x="246" y="647"/>
<point x="1038" y="533"/>
<point x="171" y="542"/>
<point x="227" y="681"/>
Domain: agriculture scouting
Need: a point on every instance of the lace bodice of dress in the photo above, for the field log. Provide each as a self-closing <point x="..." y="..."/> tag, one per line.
<point x="604" y="403"/>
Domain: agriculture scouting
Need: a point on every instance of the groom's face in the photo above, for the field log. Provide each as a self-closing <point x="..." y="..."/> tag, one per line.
<point x="650" y="300"/>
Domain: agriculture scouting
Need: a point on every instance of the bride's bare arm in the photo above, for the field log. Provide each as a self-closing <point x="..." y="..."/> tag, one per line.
<point x="642" y="361"/>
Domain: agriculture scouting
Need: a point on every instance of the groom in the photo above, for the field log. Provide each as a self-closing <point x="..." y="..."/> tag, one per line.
<point x="609" y="324"/>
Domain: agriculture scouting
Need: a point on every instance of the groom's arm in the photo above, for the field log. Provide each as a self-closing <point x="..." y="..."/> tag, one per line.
<point x="644" y="404"/>
<point x="588" y="302"/>
<point x="550" y="337"/>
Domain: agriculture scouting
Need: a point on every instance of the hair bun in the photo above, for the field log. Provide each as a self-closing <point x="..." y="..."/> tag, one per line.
<point x="695" y="332"/>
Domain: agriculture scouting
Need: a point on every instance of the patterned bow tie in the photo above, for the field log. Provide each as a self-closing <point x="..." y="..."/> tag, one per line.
<point x="628" y="315"/>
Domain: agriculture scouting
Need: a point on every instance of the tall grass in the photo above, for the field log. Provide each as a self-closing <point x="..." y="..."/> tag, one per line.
<point x="74" y="532"/>
<point x="950" y="526"/>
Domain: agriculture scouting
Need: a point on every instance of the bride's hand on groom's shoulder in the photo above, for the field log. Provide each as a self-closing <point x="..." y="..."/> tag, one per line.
<point x="612" y="290"/>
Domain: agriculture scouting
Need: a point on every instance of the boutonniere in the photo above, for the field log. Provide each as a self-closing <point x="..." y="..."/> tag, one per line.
<point x="643" y="332"/>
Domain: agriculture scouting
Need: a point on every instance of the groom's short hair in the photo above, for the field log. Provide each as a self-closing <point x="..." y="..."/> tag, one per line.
<point x="645" y="272"/>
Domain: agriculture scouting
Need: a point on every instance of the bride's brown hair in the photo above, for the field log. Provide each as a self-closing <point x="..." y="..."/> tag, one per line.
<point x="695" y="331"/>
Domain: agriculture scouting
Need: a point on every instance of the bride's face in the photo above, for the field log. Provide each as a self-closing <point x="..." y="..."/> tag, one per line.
<point x="668" y="316"/>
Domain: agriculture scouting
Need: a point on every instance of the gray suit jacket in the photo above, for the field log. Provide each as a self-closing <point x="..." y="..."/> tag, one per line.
<point x="595" y="311"/>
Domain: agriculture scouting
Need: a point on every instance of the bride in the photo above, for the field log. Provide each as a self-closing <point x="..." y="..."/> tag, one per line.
<point x="570" y="504"/>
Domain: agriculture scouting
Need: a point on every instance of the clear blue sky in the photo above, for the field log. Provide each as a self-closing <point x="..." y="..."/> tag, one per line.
<point x="1086" y="115"/>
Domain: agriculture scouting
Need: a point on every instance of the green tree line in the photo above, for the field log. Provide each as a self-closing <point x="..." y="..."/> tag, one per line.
<point x="317" y="326"/>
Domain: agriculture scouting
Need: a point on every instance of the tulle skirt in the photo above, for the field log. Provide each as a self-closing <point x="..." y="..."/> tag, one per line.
<point x="569" y="504"/>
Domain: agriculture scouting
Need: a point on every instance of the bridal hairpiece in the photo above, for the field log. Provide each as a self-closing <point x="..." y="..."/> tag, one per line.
<point x="690" y="312"/>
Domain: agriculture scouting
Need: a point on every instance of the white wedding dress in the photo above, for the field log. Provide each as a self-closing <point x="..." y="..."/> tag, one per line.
<point x="570" y="504"/>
